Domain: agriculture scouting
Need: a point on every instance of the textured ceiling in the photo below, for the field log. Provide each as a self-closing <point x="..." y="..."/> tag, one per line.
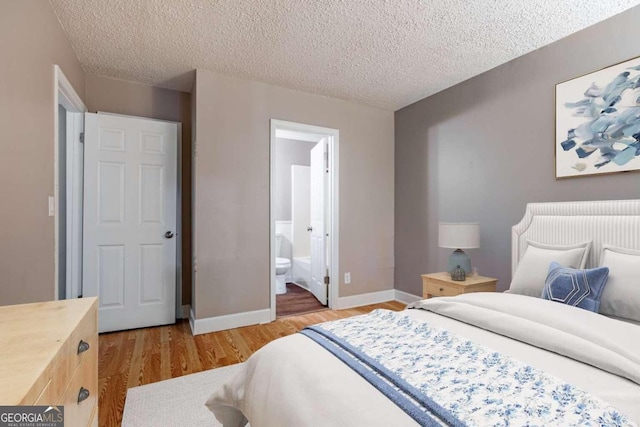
<point x="384" y="53"/>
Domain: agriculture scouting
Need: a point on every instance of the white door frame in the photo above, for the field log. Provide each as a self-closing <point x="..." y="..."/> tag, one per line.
<point x="333" y="187"/>
<point x="64" y="94"/>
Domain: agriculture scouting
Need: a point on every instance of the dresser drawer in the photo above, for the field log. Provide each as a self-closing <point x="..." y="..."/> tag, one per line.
<point x="47" y="396"/>
<point x="85" y="378"/>
<point x="68" y="360"/>
<point x="441" y="289"/>
<point x="59" y="375"/>
<point x="80" y="341"/>
<point x="441" y="285"/>
<point x="40" y="363"/>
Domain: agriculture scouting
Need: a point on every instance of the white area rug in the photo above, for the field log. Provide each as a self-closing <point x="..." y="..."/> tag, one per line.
<point x="178" y="402"/>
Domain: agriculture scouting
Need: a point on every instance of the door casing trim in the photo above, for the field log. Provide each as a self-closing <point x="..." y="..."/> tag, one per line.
<point x="333" y="221"/>
<point x="63" y="94"/>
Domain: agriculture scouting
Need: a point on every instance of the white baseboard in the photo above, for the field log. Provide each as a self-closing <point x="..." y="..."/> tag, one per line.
<point x="365" y="299"/>
<point x="376" y="298"/>
<point x="405" y="297"/>
<point x="229" y="321"/>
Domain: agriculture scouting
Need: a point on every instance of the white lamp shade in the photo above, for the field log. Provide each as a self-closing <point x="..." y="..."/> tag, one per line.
<point x="459" y="235"/>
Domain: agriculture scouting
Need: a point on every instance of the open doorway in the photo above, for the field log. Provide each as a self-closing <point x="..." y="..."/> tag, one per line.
<point x="66" y="204"/>
<point x="304" y="218"/>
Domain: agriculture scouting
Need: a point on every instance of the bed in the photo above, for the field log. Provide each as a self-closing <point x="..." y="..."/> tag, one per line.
<point x="478" y="359"/>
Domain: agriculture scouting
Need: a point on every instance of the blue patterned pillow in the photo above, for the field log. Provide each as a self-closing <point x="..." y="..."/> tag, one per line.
<point x="580" y="288"/>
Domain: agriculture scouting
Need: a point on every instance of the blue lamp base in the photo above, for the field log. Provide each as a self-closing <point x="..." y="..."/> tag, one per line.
<point x="459" y="258"/>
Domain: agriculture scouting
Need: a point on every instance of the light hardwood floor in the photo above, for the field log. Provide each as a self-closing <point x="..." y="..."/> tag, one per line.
<point x="142" y="356"/>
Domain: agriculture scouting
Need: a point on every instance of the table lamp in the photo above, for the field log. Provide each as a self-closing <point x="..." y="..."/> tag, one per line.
<point x="459" y="236"/>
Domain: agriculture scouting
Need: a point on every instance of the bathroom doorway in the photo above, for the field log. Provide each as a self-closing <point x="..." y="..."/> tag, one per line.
<point x="304" y="218"/>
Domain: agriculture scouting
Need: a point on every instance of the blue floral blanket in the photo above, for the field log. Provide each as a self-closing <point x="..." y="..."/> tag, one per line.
<point x="440" y="378"/>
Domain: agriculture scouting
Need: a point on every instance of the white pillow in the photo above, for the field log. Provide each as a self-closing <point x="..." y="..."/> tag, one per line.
<point x="621" y="296"/>
<point x="533" y="268"/>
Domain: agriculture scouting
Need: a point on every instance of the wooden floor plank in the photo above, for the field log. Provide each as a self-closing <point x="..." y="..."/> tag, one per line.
<point x="142" y="356"/>
<point x="296" y="301"/>
<point x="136" y="365"/>
<point x="111" y="400"/>
<point x="165" y="354"/>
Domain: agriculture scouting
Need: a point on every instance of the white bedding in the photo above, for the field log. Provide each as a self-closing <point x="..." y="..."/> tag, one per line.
<point x="295" y="382"/>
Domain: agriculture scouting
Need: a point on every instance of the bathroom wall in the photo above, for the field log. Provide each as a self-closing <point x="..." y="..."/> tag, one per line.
<point x="288" y="152"/>
<point x="301" y="210"/>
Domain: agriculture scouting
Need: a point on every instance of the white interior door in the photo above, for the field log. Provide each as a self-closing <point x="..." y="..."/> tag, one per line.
<point x="130" y="189"/>
<point x="318" y="238"/>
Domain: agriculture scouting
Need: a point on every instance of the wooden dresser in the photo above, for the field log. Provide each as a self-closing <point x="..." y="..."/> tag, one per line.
<point x="49" y="356"/>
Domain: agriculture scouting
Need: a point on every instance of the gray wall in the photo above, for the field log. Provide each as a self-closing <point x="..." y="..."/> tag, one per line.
<point x="231" y="194"/>
<point x="288" y="152"/>
<point x="31" y="42"/>
<point x="118" y="96"/>
<point x="482" y="149"/>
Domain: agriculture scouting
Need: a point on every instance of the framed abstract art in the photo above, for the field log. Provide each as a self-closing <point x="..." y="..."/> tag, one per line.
<point x="598" y="122"/>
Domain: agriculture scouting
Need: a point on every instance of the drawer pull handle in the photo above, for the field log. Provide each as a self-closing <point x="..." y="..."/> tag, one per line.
<point x="441" y="289"/>
<point x="83" y="346"/>
<point x="83" y="394"/>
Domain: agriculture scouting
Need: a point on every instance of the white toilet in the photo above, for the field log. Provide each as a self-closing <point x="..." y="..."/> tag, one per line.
<point x="282" y="267"/>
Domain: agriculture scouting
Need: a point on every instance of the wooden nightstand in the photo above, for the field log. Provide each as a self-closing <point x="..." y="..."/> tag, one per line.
<point x="441" y="285"/>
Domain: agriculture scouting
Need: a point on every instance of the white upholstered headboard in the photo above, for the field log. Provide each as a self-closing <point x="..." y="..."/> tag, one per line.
<point x="613" y="222"/>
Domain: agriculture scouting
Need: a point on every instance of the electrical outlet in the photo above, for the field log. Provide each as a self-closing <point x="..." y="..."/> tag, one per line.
<point x="347" y="278"/>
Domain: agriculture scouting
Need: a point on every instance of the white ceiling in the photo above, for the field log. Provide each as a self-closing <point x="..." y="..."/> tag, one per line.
<point x="383" y="53"/>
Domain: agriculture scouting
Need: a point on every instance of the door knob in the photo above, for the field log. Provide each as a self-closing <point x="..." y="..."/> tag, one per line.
<point x="168" y="234"/>
<point x="309" y="228"/>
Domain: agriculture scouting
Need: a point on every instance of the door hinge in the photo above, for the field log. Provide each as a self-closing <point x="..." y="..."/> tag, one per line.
<point x="327" y="291"/>
<point x="82" y="137"/>
<point x="326" y="161"/>
<point x="326" y="280"/>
